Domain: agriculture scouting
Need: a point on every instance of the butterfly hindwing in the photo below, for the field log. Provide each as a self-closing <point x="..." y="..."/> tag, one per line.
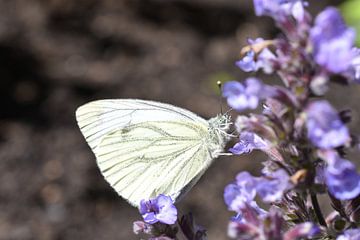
<point x="152" y="158"/>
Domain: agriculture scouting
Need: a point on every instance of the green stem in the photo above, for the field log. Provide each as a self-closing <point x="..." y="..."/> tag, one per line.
<point x="317" y="209"/>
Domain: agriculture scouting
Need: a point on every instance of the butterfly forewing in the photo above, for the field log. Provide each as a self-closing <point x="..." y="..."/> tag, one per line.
<point x="98" y="118"/>
<point x="145" y="148"/>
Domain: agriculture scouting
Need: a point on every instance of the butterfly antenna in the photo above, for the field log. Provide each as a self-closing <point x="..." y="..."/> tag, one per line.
<point x="227" y="112"/>
<point x="220" y="100"/>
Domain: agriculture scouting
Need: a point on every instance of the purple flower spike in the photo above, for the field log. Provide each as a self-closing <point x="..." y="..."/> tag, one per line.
<point x="248" y="141"/>
<point x="243" y="96"/>
<point x="160" y="209"/>
<point x="325" y="129"/>
<point x="351" y="234"/>
<point x="272" y="187"/>
<point x="341" y="177"/>
<point x="333" y="41"/>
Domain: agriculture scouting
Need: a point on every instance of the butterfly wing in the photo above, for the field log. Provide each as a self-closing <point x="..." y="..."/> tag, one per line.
<point x="145" y="148"/>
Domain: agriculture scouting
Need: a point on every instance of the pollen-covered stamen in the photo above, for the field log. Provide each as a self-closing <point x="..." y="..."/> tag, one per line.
<point x="256" y="47"/>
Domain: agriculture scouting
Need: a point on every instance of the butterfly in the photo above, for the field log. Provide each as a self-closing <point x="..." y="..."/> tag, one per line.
<point x="146" y="148"/>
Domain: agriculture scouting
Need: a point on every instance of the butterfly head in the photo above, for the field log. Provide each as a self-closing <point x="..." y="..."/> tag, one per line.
<point x="218" y="127"/>
<point x="221" y="122"/>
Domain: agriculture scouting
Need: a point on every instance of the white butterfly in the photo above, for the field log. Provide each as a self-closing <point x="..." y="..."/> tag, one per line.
<point x="145" y="148"/>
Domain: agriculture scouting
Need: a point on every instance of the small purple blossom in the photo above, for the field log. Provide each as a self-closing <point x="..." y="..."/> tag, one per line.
<point x="351" y="234"/>
<point x="324" y="126"/>
<point x="160" y="209"/>
<point x="241" y="96"/>
<point x="266" y="61"/>
<point x="263" y="7"/>
<point x="247" y="226"/>
<point x="247" y="63"/>
<point x="341" y="176"/>
<point x="272" y="187"/>
<point x="302" y="230"/>
<point x="253" y="61"/>
<point x="279" y="9"/>
<point x="248" y="141"/>
<point x="240" y="192"/>
<point x="297" y="10"/>
<point x="142" y="227"/>
<point x="332" y="41"/>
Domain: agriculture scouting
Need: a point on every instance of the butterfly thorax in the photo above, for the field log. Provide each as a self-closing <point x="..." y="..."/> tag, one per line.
<point x="218" y="127"/>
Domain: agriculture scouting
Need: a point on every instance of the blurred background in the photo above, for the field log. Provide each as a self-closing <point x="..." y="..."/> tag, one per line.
<point x="56" y="55"/>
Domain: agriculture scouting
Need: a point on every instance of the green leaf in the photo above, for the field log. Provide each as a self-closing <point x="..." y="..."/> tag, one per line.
<point x="351" y="12"/>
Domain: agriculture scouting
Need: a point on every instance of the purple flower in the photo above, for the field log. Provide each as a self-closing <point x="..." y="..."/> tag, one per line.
<point x="160" y="209"/>
<point x="247" y="226"/>
<point x="272" y="187"/>
<point x="341" y="176"/>
<point x="266" y="61"/>
<point x="325" y="128"/>
<point x="248" y="141"/>
<point x="351" y="234"/>
<point x="268" y="226"/>
<point x="297" y="10"/>
<point x="332" y="41"/>
<point x="247" y="63"/>
<point x="279" y="9"/>
<point x="142" y="227"/>
<point x="241" y="96"/>
<point x="253" y="61"/>
<point x="241" y="192"/>
<point x="302" y="230"/>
